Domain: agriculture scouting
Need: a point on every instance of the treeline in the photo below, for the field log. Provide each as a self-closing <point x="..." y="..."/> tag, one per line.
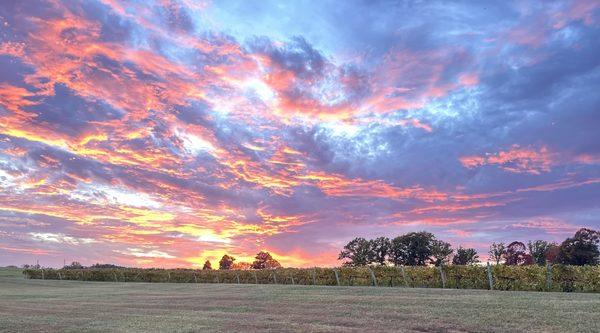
<point x="423" y="248"/>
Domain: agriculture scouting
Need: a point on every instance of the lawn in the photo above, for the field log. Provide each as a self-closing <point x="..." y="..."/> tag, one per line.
<point x="74" y="306"/>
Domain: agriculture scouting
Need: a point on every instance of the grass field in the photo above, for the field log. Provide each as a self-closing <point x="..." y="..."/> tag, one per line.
<point x="73" y="306"/>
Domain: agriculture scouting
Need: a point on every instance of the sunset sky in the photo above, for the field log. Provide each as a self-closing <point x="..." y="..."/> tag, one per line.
<point x="164" y="133"/>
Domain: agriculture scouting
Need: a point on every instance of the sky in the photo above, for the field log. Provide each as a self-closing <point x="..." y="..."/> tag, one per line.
<point x="165" y="133"/>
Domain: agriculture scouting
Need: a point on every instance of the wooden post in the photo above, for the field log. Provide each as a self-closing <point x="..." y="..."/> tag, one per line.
<point x="255" y="277"/>
<point x="373" y="278"/>
<point x="404" y="276"/>
<point x="274" y="277"/>
<point x="195" y="278"/>
<point x="314" y="276"/>
<point x="443" y="276"/>
<point x="115" y="274"/>
<point x="337" y="277"/>
<point x="489" y="274"/>
<point x="237" y="276"/>
<point x="59" y="277"/>
<point x="548" y="276"/>
<point x="168" y="276"/>
<point x="43" y="274"/>
<point x="218" y="275"/>
<point x="292" y="276"/>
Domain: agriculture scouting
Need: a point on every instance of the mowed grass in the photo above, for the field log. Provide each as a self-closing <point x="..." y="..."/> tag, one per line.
<point x="73" y="306"/>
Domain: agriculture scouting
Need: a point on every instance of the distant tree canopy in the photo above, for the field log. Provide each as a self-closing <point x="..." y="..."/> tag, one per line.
<point x="581" y="249"/>
<point x="226" y="262"/>
<point x="412" y="249"/>
<point x="207" y="265"/>
<point x="465" y="256"/>
<point x="378" y="250"/>
<point x="538" y="250"/>
<point x="74" y="265"/>
<point x="357" y="251"/>
<point x="423" y="248"/>
<point x="264" y="260"/>
<point x="515" y="254"/>
<point x="497" y="252"/>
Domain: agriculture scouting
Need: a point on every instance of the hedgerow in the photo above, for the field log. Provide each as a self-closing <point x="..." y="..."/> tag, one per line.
<point x="532" y="278"/>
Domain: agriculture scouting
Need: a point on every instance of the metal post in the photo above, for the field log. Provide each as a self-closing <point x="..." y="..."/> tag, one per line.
<point x="489" y="274"/>
<point x="443" y="276"/>
<point x="373" y="278"/>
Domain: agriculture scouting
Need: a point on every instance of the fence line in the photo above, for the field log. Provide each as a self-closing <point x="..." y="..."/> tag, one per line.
<point x="492" y="277"/>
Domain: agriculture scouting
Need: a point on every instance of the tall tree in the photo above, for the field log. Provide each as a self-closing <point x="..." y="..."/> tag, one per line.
<point x="207" y="265"/>
<point x="440" y="252"/>
<point x="412" y="249"/>
<point x="537" y="250"/>
<point x="264" y="260"/>
<point x="357" y="251"/>
<point x="581" y="249"/>
<point x="465" y="256"/>
<point x="378" y="250"/>
<point x="226" y="262"/>
<point x="552" y="253"/>
<point x="516" y="254"/>
<point x="497" y="252"/>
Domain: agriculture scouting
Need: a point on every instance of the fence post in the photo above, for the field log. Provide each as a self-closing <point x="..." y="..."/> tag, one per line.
<point x="43" y="274"/>
<point x="115" y="274"/>
<point x="255" y="277"/>
<point x="292" y="276"/>
<point x="218" y="275"/>
<point x="404" y="276"/>
<point x="548" y="276"/>
<point x="195" y="278"/>
<point x="314" y="276"/>
<point x="373" y="278"/>
<point x="168" y="276"/>
<point x="489" y="274"/>
<point x="337" y="277"/>
<point x="59" y="277"/>
<point x="443" y="275"/>
<point x="274" y="277"/>
<point x="237" y="276"/>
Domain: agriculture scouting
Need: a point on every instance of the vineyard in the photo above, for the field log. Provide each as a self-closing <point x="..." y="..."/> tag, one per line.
<point x="497" y="277"/>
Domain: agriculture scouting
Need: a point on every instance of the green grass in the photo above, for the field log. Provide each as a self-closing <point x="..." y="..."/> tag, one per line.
<point x="74" y="306"/>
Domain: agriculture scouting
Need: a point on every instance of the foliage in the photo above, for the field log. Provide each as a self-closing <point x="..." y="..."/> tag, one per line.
<point x="440" y="252"/>
<point x="357" y="251"/>
<point x="207" y="265"/>
<point x="226" y="262"/>
<point x="378" y="250"/>
<point x="264" y="260"/>
<point x="412" y="249"/>
<point x="581" y="249"/>
<point x="515" y="255"/>
<point x="497" y="252"/>
<point x="465" y="256"/>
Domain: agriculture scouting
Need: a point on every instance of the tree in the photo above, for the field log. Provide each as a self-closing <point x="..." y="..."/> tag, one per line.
<point x="497" y="252"/>
<point x="440" y="252"/>
<point x="357" y="251"/>
<point x="537" y="250"/>
<point x="552" y="253"/>
<point x="264" y="260"/>
<point x="242" y="265"/>
<point x="515" y="255"/>
<point x="412" y="249"/>
<point x="378" y="250"/>
<point x="207" y="265"/>
<point x="226" y="262"/>
<point x="74" y="265"/>
<point x="581" y="249"/>
<point x="465" y="256"/>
